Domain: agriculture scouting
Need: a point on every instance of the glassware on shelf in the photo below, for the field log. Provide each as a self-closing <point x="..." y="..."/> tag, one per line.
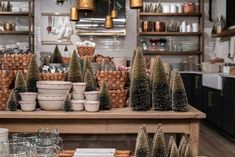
<point x="220" y="24"/>
<point x="153" y="44"/>
<point x="162" y="44"/>
<point x="144" y="45"/>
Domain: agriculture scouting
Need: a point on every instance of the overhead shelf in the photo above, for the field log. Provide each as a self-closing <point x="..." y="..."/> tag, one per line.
<point x="171" y="33"/>
<point x="14" y="13"/>
<point x="224" y="34"/>
<point x="16" y="33"/>
<point x="171" y="14"/>
<point x="173" y="53"/>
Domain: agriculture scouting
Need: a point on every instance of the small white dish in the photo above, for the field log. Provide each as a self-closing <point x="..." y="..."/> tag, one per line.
<point x="78" y="96"/>
<point x="92" y="95"/>
<point x="28" y="96"/>
<point x="27" y="105"/>
<point x="51" y="105"/>
<point x="56" y="87"/>
<point x="92" y="106"/>
<point x="79" y="87"/>
<point x="77" y="105"/>
<point x="51" y="97"/>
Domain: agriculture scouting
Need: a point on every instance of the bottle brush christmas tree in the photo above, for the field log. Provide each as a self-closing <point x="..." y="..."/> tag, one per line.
<point x="67" y="107"/>
<point x="66" y="49"/>
<point x="74" y="73"/>
<point x="90" y="84"/>
<point x="160" y="90"/>
<point x="182" y="141"/>
<point x="158" y="144"/>
<point x="183" y="149"/>
<point x="12" y="103"/>
<point x="33" y="75"/>
<point x="139" y="89"/>
<point x="179" y="97"/>
<point x="88" y="66"/>
<point x="20" y="85"/>
<point x="56" y="57"/>
<point x="142" y="144"/>
<point x="188" y="151"/>
<point x="169" y="146"/>
<point x="104" y="97"/>
<point x="174" y="150"/>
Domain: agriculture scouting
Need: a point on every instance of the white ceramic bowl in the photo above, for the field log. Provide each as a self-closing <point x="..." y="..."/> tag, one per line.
<point x="78" y="96"/>
<point x="55" y="87"/>
<point x="27" y="105"/>
<point x="92" y="95"/>
<point x="92" y="106"/>
<point x="28" y="96"/>
<point x="77" y="105"/>
<point x="79" y="87"/>
<point x="51" y="97"/>
<point x="51" y="105"/>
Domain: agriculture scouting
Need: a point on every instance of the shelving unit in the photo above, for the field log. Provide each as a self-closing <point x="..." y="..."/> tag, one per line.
<point x="225" y="34"/>
<point x="30" y="16"/>
<point x="199" y="15"/>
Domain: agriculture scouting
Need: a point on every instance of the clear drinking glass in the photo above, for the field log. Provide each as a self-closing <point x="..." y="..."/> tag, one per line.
<point x="45" y="151"/>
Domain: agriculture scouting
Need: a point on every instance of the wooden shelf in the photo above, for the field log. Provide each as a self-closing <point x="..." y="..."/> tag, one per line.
<point x="175" y="53"/>
<point x="227" y="33"/>
<point x="171" y="14"/>
<point x="16" y="33"/>
<point x="170" y="33"/>
<point x="14" y="13"/>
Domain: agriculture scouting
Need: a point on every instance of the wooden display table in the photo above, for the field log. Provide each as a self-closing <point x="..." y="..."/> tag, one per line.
<point x="115" y="121"/>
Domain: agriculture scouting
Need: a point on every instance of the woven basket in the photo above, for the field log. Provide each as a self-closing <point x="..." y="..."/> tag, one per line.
<point x="53" y="76"/>
<point x="6" y="77"/>
<point x="16" y="61"/>
<point x="116" y="80"/>
<point x="118" y="98"/>
<point x="4" y="94"/>
<point x="86" y="51"/>
<point x="66" y="60"/>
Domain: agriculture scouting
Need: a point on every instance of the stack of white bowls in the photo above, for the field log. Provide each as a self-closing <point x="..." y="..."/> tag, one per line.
<point x="52" y="94"/>
<point x="3" y="134"/>
<point x="79" y="103"/>
<point x="28" y="102"/>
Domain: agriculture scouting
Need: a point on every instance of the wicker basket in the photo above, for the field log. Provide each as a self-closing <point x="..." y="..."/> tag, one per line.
<point x="66" y="60"/>
<point x="86" y="51"/>
<point x="16" y="61"/>
<point x="116" y="80"/>
<point x="6" y="77"/>
<point x="118" y="98"/>
<point x="53" y="76"/>
<point x="4" y="94"/>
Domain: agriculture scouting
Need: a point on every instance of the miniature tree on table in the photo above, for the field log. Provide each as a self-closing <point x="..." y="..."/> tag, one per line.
<point x="160" y="90"/>
<point x="33" y="75"/>
<point x="139" y="89"/>
<point x="188" y="151"/>
<point x="169" y="146"/>
<point x="104" y="97"/>
<point x="66" y="48"/>
<point x="174" y="150"/>
<point x="56" y="57"/>
<point x="182" y="141"/>
<point x="179" y="96"/>
<point x="74" y="74"/>
<point x="183" y="149"/>
<point x="142" y="144"/>
<point x="12" y="103"/>
<point x="90" y="84"/>
<point x="158" y="144"/>
<point x="20" y="85"/>
<point x="67" y="107"/>
<point x="87" y="66"/>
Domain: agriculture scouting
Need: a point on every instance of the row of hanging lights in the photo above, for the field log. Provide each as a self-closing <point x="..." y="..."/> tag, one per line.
<point x="89" y="6"/>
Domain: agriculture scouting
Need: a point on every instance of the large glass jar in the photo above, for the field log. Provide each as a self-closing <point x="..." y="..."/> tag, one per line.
<point x="220" y="24"/>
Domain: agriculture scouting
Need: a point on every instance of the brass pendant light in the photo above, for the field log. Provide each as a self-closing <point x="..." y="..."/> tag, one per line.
<point x="74" y="16"/>
<point x="108" y="20"/>
<point x="136" y="4"/>
<point x="114" y="12"/>
<point x="86" y="5"/>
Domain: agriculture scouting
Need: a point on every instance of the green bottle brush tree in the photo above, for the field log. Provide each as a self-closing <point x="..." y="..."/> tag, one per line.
<point x="12" y="103"/>
<point x="104" y="97"/>
<point x="20" y="85"/>
<point x="56" y="57"/>
<point x="142" y="148"/>
<point x="90" y="84"/>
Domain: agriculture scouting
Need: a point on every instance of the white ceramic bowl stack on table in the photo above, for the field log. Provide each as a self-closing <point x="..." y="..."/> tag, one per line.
<point x="28" y="101"/>
<point x="92" y="104"/>
<point x="3" y="134"/>
<point x="78" y="96"/>
<point x="52" y="94"/>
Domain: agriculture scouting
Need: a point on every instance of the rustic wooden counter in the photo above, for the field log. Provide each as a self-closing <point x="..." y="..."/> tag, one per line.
<point x="115" y="121"/>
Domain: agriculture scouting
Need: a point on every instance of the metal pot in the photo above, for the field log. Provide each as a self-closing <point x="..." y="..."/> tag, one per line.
<point x="9" y="26"/>
<point x="86" y="5"/>
<point x="147" y="26"/>
<point x="159" y="26"/>
<point x="136" y="4"/>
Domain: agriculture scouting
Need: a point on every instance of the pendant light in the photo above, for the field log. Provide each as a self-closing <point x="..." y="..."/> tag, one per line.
<point x="108" y="19"/>
<point x="74" y="16"/>
<point x="136" y="4"/>
<point x="86" y="5"/>
<point x="114" y="12"/>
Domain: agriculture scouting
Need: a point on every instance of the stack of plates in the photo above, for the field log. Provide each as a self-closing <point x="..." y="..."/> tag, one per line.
<point x="3" y="134"/>
<point x="189" y="46"/>
<point x="94" y="152"/>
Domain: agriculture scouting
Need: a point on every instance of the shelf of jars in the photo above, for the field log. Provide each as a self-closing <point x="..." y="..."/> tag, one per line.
<point x="171" y="33"/>
<point x="176" y="53"/>
<point x="170" y="14"/>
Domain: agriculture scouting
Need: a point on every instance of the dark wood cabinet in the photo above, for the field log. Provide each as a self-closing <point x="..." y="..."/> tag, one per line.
<point x="197" y="92"/>
<point x="213" y="106"/>
<point x="188" y="80"/>
<point x="228" y="107"/>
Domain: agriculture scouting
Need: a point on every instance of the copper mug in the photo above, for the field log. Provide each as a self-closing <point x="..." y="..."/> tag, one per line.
<point x="159" y="26"/>
<point x="147" y="26"/>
